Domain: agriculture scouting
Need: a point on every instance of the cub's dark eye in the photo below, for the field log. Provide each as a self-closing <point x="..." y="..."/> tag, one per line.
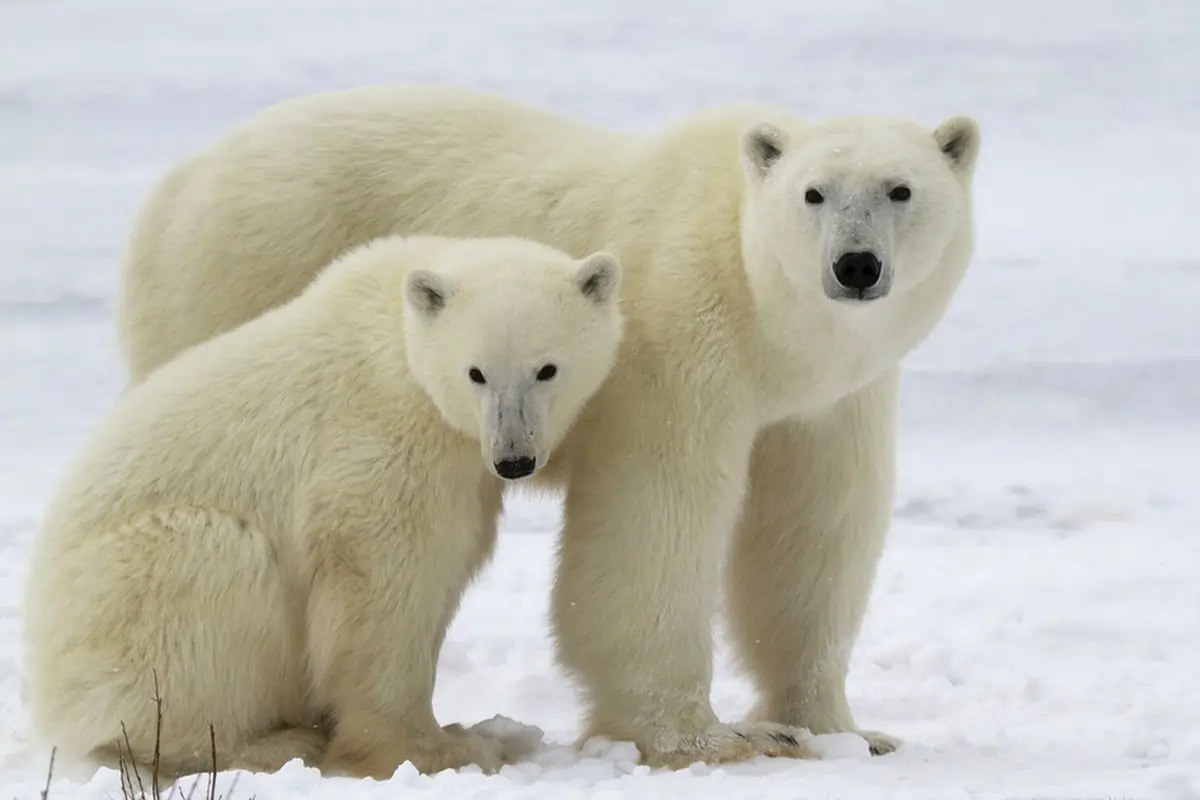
<point x="900" y="194"/>
<point x="547" y="372"/>
<point x="813" y="197"/>
<point x="476" y="376"/>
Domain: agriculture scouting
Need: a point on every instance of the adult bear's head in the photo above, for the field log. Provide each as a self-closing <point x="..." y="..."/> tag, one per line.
<point x="860" y="209"/>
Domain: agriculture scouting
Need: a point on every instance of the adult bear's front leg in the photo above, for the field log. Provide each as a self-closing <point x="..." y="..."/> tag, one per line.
<point x="649" y="511"/>
<point x="804" y="558"/>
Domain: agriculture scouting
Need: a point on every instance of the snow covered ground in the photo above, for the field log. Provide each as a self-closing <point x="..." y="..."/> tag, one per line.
<point x="1035" y="630"/>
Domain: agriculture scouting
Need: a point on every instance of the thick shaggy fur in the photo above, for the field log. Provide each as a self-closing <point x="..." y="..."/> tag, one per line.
<point x="751" y="412"/>
<point x="278" y="525"/>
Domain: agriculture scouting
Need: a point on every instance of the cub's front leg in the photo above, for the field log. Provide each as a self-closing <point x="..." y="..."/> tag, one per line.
<point x="388" y="572"/>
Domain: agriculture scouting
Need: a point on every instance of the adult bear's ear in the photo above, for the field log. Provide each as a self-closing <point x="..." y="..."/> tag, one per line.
<point x="958" y="139"/>
<point x="599" y="277"/>
<point x="425" y="292"/>
<point x="762" y="147"/>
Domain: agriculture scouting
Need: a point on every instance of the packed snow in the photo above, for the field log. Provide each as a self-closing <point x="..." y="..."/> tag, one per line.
<point x="1035" y="626"/>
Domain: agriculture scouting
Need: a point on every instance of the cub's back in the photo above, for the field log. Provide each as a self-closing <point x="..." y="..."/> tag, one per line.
<point x="233" y="424"/>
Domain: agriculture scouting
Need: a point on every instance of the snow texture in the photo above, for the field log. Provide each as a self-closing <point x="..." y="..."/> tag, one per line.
<point x="1035" y="627"/>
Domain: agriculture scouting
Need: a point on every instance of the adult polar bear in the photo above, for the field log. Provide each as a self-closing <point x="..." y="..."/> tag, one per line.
<point x="776" y="271"/>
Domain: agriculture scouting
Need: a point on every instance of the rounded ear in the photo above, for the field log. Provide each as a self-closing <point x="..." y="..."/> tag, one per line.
<point x="599" y="277"/>
<point x="762" y="146"/>
<point x="958" y="139"/>
<point x="426" y="292"/>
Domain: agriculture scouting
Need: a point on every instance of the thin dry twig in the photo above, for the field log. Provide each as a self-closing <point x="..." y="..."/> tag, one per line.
<point x="212" y="779"/>
<point x="133" y="787"/>
<point x="131" y="763"/>
<point x="192" y="791"/>
<point x="158" y="716"/>
<point x="121" y="771"/>
<point x="49" y="774"/>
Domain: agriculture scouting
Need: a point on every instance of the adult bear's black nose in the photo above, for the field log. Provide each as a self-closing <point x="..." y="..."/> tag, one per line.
<point x="858" y="271"/>
<point x="513" y="468"/>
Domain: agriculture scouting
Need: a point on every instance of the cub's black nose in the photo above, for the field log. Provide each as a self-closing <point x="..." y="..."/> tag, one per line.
<point x="513" y="468"/>
<point x="857" y="271"/>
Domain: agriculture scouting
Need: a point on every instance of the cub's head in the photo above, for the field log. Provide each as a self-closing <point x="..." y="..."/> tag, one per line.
<point x="510" y="339"/>
<point x="860" y="209"/>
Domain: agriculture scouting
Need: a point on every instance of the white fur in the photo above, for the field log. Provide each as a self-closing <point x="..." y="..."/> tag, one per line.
<point x="753" y="402"/>
<point x="277" y="526"/>
<point x="534" y="350"/>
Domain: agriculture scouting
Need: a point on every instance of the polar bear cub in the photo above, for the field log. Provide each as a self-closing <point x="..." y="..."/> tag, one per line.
<point x="275" y="529"/>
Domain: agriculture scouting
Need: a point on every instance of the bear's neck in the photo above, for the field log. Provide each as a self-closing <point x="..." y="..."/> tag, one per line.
<point x="809" y="352"/>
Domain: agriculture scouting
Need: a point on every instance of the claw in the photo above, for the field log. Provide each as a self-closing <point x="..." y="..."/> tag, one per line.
<point x="742" y="736"/>
<point x="880" y="744"/>
<point x="785" y="738"/>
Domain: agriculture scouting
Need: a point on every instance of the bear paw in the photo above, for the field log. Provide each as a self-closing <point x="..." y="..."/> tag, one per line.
<point x="379" y="759"/>
<point x="271" y="752"/>
<point x="880" y="743"/>
<point x="723" y="744"/>
<point x="518" y="742"/>
<point x="818" y="723"/>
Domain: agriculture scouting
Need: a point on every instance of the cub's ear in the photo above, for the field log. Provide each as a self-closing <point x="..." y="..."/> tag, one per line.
<point x="425" y="292"/>
<point x="762" y="146"/>
<point x="958" y="139"/>
<point x="599" y="277"/>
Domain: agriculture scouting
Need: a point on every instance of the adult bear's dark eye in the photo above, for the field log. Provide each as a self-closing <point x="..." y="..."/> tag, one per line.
<point x="900" y="194"/>
<point x="813" y="197"/>
<point x="547" y="372"/>
<point x="476" y="376"/>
